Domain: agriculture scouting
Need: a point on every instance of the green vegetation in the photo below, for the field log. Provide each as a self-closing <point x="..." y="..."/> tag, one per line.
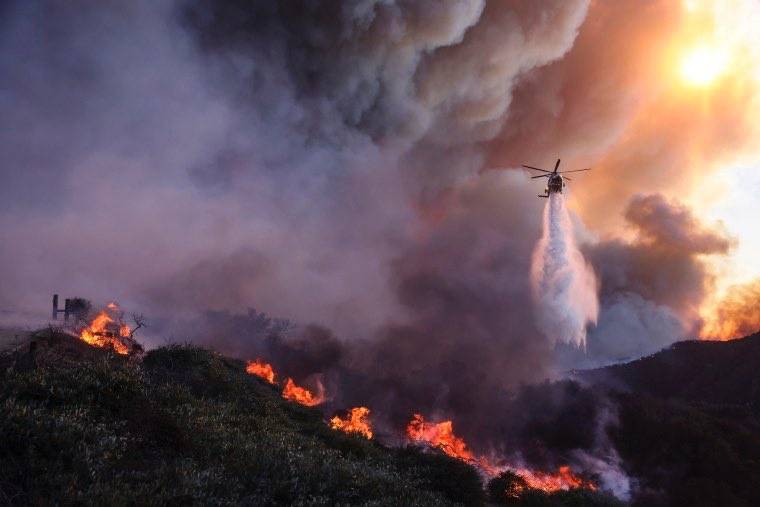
<point x="689" y="428"/>
<point x="684" y="454"/>
<point x="187" y="425"/>
<point x="184" y="425"/>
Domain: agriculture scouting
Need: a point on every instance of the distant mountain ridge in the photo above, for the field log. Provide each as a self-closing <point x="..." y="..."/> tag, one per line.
<point x="702" y="372"/>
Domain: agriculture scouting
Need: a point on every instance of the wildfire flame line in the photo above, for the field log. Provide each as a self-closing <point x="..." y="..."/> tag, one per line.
<point x="434" y="434"/>
<point x="441" y="435"/>
<point x="291" y="391"/>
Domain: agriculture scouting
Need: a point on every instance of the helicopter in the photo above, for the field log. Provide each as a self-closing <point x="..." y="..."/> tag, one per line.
<point x="556" y="181"/>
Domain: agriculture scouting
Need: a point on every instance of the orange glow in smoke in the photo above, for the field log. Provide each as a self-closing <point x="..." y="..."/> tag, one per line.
<point x="356" y="422"/>
<point x="106" y="330"/>
<point x="261" y="369"/>
<point x="735" y="316"/>
<point x="302" y="395"/>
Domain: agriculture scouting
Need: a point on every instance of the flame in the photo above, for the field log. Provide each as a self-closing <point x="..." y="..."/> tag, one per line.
<point x="356" y="422"/>
<point x="442" y="435"/>
<point x="106" y="330"/>
<point x="291" y="391"/>
<point x="564" y="479"/>
<point x="439" y="435"/>
<point x="261" y="369"/>
<point x="302" y="395"/>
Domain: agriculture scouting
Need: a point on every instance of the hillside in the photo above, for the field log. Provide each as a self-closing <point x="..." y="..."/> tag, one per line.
<point x="687" y="422"/>
<point x="703" y="372"/>
<point x="184" y="425"/>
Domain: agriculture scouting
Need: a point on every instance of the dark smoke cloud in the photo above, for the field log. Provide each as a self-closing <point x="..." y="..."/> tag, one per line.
<point x="653" y="285"/>
<point x="672" y="227"/>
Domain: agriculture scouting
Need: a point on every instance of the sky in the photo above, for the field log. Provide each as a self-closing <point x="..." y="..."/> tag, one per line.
<point x="355" y="165"/>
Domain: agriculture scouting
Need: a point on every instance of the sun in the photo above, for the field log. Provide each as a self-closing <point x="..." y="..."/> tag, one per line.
<point x="702" y="65"/>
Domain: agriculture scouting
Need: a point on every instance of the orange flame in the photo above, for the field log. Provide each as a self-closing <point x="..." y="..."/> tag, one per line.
<point x="356" y="422"/>
<point x="261" y="369"/>
<point x="564" y="479"/>
<point x="106" y="331"/>
<point x="442" y="435"/>
<point x="439" y="435"/>
<point x="302" y="395"/>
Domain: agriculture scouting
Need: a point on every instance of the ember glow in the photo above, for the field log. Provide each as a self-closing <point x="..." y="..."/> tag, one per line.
<point x="261" y="369"/>
<point x="107" y="330"/>
<point x="301" y="395"/>
<point x="357" y="421"/>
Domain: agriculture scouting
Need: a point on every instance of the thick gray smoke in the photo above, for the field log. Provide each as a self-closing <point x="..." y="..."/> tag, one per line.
<point x="186" y="156"/>
<point x="564" y="285"/>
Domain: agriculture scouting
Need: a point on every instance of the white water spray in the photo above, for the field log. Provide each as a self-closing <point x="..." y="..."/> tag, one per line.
<point x="564" y="285"/>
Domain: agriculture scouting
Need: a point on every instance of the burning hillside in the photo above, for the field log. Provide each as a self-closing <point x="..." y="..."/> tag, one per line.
<point x="210" y="384"/>
<point x="441" y="435"/>
<point x="438" y="435"/>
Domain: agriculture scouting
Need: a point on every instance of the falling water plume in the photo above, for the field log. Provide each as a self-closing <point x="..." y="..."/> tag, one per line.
<point x="564" y="285"/>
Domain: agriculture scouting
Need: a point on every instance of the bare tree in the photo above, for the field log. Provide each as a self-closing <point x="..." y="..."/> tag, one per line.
<point x="139" y="320"/>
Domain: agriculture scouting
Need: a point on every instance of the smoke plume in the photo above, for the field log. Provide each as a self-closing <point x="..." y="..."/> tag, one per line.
<point x="564" y="285"/>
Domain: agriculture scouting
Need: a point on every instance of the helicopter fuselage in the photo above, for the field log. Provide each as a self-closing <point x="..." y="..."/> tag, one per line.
<point x="555" y="184"/>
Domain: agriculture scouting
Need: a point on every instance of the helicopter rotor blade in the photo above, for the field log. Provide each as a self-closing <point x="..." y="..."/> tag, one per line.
<point x="539" y="176"/>
<point x="575" y="170"/>
<point x="566" y="178"/>
<point x="556" y="165"/>
<point x="536" y="168"/>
